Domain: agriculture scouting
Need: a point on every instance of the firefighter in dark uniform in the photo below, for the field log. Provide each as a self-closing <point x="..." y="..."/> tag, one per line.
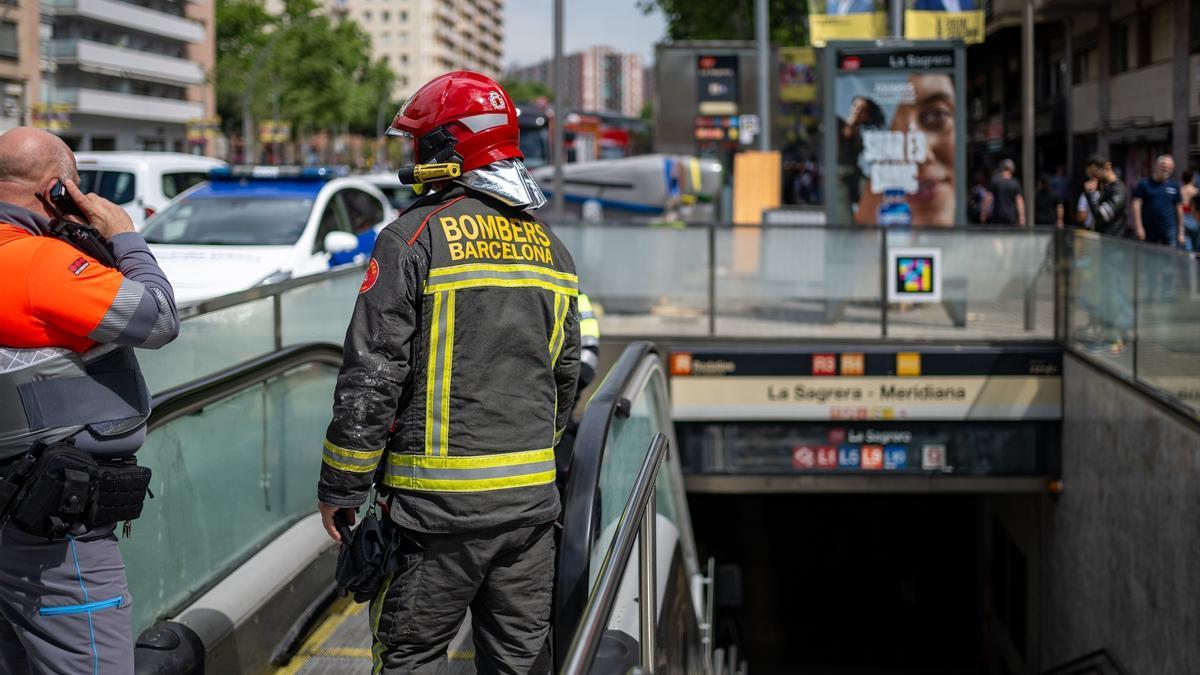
<point x="460" y="369"/>
<point x="73" y="407"/>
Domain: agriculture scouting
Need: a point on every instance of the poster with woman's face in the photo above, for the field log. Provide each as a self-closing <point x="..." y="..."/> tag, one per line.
<point x="895" y="147"/>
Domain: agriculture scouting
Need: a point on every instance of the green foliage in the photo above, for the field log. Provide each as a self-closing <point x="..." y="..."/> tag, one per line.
<point x="731" y="19"/>
<point x="524" y="91"/>
<point x="319" y="69"/>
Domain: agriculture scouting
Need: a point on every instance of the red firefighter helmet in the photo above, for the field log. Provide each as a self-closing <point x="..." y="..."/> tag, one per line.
<point x="462" y="117"/>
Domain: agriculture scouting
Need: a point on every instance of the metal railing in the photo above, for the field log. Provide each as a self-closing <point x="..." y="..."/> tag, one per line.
<point x="636" y="526"/>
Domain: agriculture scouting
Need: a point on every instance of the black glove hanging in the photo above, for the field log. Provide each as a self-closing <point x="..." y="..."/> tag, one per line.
<point x="366" y="557"/>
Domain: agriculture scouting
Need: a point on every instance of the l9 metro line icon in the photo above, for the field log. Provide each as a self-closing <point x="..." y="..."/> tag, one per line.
<point x="914" y="275"/>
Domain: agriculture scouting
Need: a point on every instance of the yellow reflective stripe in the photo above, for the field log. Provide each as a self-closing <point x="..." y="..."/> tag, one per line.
<point x="377" y="646"/>
<point x="558" y="337"/>
<point x="488" y="267"/>
<point x="353" y="454"/>
<point x="476" y="485"/>
<point x="448" y="357"/>
<point x="557" y="325"/>
<point x="496" y="282"/>
<point x="431" y="379"/>
<point x="476" y="473"/>
<point x="473" y="461"/>
<point x="350" y="468"/>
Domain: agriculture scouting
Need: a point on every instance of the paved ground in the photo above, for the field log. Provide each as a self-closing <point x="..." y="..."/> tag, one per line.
<point x="341" y="644"/>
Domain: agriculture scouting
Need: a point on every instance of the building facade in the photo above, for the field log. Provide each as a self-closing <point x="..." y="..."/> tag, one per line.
<point x="421" y="39"/>
<point x="125" y="74"/>
<point x="599" y="79"/>
<point x="1120" y="78"/>
<point x="19" y="61"/>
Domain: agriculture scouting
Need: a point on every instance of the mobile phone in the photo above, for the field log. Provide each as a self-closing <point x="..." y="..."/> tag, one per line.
<point x="70" y="225"/>
<point x="63" y="202"/>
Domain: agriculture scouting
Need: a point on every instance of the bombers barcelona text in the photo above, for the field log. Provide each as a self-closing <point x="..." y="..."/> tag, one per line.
<point x="492" y="237"/>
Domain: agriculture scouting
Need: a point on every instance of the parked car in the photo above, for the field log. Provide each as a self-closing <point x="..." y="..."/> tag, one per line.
<point x="249" y="226"/>
<point x="142" y="182"/>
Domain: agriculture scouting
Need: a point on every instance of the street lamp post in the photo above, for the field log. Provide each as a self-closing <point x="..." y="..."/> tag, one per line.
<point x="560" y="111"/>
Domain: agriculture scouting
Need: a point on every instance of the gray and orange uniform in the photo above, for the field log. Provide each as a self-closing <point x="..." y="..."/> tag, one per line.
<point x="68" y="373"/>
<point x="460" y="369"/>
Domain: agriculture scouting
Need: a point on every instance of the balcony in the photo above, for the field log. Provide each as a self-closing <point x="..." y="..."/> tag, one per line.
<point x="129" y="16"/>
<point x="97" y="57"/>
<point x="127" y="106"/>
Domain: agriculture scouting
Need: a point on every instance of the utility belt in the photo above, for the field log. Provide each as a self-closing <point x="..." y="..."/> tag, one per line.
<point x="54" y="488"/>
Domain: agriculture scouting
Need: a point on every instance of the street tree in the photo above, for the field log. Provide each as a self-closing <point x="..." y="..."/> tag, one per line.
<point x="731" y="19"/>
<point x="316" y="72"/>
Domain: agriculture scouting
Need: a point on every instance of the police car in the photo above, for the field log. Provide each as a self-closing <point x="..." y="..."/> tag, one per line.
<point x="249" y="226"/>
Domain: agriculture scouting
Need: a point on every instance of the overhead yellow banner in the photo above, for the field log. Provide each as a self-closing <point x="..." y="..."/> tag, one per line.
<point x="941" y="20"/>
<point x="857" y="26"/>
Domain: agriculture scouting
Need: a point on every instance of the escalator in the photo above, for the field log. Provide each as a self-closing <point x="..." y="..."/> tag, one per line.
<point x="231" y="571"/>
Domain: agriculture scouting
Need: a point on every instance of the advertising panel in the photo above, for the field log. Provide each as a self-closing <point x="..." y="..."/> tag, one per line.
<point x="797" y="74"/>
<point x="896" y="157"/>
<point x="945" y="20"/>
<point x="846" y="20"/>
<point x="717" y="84"/>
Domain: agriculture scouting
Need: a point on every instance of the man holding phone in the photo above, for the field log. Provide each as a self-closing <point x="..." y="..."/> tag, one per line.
<point x="73" y="407"/>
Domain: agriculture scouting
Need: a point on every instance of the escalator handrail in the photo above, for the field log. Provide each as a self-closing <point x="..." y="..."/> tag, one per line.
<point x="586" y="640"/>
<point x="579" y="498"/>
<point x="193" y="396"/>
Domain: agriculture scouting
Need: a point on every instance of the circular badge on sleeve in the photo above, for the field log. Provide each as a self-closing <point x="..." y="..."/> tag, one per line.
<point x="371" y="277"/>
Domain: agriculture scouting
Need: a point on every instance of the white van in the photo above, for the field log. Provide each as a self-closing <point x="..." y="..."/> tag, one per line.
<point x="141" y="182"/>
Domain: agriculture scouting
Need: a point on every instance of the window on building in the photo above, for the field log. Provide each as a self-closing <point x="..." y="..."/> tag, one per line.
<point x="1161" y="37"/>
<point x="1083" y="65"/>
<point x="385" y="16"/>
<point x="8" y="40"/>
<point x="1119" y="59"/>
<point x="1194" y="20"/>
<point x="403" y="16"/>
<point x="367" y="15"/>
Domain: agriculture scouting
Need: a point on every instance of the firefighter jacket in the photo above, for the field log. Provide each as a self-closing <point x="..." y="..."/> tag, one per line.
<point x="460" y="368"/>
<point x="68" y="326"/>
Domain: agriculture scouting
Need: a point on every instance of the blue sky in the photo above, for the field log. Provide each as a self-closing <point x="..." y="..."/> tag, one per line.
<point x="529" y="36"/>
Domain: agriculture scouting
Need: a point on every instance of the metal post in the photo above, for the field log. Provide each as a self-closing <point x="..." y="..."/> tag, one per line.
<point x="560" y="112"/>
<point x="1181" y="77"/>
<point x="712" y="279"/>
<point x="1104" y="82"/>
<point x="1028" y="161"/>
<point x="883" y="283"/>
<point x="648" y="583"/>
<point x="763" y="45"/>
<point x="896" y="18"/>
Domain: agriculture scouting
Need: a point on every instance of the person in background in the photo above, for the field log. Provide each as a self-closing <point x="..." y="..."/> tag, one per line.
<point x="1190" y="195"/>
<point x="1008" y="206"/>
<point x="1158" y="206"/>
<point x="1107" y="203"/>
<point x="1060" y="184"/>
<point x="1047" y="206"/>
<point x="1083" y="214"/>
<point x="979" y="200"/>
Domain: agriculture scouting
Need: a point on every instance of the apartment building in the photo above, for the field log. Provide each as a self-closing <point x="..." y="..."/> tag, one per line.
<point x="19" y="64"/>
<point x="125" y="74"/>
<point x="420" y="39"/>
<point x="1120" y="77"/>
<point x="599" y="79"/>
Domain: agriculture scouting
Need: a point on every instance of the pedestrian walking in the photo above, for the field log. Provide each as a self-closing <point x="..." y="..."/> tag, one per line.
<point x="1158" y="206"/>
<point x="1047" y="205"/>
<point x="1008" y="206"/>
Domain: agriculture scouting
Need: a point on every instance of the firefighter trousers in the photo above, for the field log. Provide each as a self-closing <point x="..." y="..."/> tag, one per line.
<point x="505" y="577"/>
<point x="64" y="605"/>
